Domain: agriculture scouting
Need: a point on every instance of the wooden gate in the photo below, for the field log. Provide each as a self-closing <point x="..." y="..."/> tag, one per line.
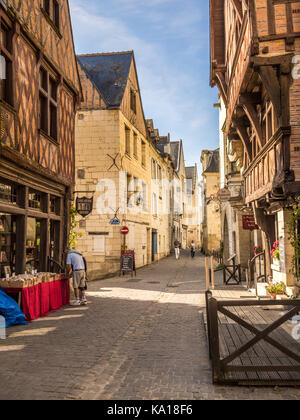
<point x="249" y="343"/>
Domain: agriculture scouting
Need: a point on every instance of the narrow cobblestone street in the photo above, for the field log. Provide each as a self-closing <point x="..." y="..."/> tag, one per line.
<point x="140" y="338"/>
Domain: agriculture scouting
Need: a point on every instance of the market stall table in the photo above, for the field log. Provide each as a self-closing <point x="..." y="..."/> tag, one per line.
<point x="41" y="299"/>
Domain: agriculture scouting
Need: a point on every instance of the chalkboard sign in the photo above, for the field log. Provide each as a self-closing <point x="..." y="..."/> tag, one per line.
<point x="127" y="262"/>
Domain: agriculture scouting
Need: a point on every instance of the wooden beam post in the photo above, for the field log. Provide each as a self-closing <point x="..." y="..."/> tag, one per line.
<point x="207" y="274"/>
<point x="214" y="339"/>
<point x="212" y="273"/>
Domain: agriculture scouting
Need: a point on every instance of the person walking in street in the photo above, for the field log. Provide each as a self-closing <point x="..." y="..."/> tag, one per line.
<point x="177" y="249"/>
<point x="76" y="267"/>
<point x="193" y="249"/>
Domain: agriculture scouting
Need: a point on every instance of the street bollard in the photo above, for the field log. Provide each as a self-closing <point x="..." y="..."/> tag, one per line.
<point x="2" y="328"/>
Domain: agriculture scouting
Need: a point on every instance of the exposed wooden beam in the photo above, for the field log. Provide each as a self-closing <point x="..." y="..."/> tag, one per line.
<point x="269" y="77"/>
<point x="251" y="113"/>
<point x="242" y="132"/>
<point x="222" y="85"/>
<point x="239" y="9"/>
<point x="274" y="60"/>
<point x="250" y="98"/>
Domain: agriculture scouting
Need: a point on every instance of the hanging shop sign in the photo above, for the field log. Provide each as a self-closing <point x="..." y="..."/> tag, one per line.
<point x="115" y="222"/>
<point x="249" y="223"/>
<point x="84" y="206"/>
<point x="224" y="195"/>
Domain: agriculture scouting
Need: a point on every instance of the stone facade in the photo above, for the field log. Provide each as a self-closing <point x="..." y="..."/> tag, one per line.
<point x="193" y="206"/>
<point x="129" y="175"/>
<point x="211" y="230"/>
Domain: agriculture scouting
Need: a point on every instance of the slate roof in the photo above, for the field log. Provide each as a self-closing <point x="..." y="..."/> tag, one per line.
<point x="214" y="163"/>
<point x="190" y="172"/>
<point x="109" y="73"/>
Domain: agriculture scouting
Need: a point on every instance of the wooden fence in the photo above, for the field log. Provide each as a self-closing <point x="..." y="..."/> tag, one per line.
<point x="248" y="344"/>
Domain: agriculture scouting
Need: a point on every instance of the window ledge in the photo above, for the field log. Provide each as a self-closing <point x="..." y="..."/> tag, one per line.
<point x="51" y="139"/>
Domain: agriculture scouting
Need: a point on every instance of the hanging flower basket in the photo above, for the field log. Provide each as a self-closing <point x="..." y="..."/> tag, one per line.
<point x="275" y="254"/>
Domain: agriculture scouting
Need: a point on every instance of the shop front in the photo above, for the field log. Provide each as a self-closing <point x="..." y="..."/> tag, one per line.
<point x="33" y="233"/>
<point x="31" y="228"/>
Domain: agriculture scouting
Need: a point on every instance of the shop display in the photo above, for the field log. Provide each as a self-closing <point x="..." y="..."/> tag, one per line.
<point x="38" y="293"/>
<point x="28" y="280"/>
<point x="7" y="244"/>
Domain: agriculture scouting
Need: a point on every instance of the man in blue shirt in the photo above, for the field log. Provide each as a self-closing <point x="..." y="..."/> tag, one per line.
<point x="76" y="266"/>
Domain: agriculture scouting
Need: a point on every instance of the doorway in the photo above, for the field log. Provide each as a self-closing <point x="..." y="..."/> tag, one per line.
<point x="154" y="245"/>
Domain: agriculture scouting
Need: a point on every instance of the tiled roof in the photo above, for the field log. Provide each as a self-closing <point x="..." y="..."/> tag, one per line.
<point x="109" y="73"/>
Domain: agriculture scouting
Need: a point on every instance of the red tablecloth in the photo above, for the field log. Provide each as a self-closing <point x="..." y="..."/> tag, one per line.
<point x="40" y="300"/>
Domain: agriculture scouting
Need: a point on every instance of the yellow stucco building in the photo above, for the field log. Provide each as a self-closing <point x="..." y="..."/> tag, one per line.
<point x="129" y="175"/>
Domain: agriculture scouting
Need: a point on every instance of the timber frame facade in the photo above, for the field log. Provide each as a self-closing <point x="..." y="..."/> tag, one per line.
<point x="254" y="52"/>
<point x="39" y="96"/>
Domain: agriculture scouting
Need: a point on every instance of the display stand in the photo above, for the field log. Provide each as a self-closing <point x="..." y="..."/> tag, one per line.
<point x="127" y="264"/>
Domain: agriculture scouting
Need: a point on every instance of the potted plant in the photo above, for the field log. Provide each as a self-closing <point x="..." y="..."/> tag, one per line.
<point x="275" y="289"/>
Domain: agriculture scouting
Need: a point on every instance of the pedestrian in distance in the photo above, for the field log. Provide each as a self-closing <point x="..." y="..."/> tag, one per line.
<point x="177" y="249"/>
<point x="193" y="249"/>
<point x="76" y="267"/>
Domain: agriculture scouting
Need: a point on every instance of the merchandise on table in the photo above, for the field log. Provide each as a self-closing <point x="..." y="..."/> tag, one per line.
<point x="28" y="280"/>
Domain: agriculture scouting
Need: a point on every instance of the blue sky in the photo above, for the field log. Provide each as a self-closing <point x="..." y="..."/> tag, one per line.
<point x="170" y="39"/>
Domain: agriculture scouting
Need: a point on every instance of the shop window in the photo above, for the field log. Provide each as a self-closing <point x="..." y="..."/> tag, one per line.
<point x="8" y="194"/>
<point x="48" y="88"/>
<point x="6" y="50"/>
<point x="7" y="244"/>
<point x="34" y="200"/>
<point x="55" y="205"/>
<point x="33" y="242"/>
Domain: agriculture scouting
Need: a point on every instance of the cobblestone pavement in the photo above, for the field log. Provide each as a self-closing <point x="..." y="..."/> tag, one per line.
<point x="138" y="339"/>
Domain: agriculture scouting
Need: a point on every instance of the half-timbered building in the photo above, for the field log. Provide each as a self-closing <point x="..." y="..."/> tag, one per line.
<point x="254" y="55"/>
<point x="39" y="94"/>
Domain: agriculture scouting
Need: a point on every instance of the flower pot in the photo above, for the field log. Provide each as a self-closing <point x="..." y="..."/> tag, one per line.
<point x="274" y="295"/>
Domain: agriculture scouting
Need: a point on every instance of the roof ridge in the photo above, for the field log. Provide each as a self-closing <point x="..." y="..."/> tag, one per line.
<point x="107" y="53"/>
